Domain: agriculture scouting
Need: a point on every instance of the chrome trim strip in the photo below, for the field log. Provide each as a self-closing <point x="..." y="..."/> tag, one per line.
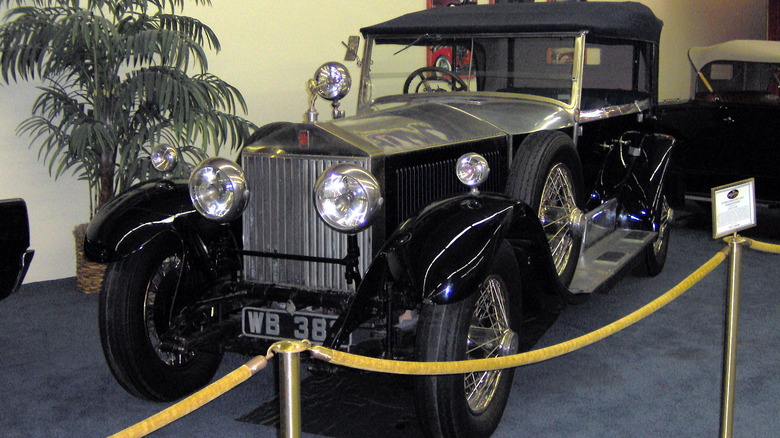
<point x="636" y="107"/>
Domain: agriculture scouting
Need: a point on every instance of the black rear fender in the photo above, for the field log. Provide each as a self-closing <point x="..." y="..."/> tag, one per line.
<point x="635" y="171"/>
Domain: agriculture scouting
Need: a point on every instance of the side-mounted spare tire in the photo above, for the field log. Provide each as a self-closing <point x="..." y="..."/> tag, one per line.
<point x="547" y="175"/>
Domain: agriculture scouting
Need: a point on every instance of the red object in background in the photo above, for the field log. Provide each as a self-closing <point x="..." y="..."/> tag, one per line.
<point x="773" y="20"/>
<point x="441" y="56"/>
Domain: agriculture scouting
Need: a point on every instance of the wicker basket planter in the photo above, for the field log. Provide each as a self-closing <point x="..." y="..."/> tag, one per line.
<point x="89" y="275"/>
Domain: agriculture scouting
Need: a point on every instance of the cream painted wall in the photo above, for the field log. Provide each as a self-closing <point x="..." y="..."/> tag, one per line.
<point x="54" y="207"/>
<point x="270" y="48"/>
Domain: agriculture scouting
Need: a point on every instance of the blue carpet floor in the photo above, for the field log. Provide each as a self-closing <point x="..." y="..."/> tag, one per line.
<point x="659" y="378"/>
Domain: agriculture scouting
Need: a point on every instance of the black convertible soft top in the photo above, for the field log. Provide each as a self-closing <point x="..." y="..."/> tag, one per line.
<point x="625" y="20"/>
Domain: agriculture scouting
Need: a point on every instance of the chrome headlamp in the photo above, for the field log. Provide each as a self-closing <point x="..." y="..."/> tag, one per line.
<point x="472" y="170"/>
<point x="332" y="81"/>
<point x="164" y="157"/>
<point x="218" y="189"/>
<point x="347" y="197"/>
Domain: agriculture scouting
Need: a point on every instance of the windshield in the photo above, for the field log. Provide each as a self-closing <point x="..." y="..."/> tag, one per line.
<point x="539" y="65"/>
<point x="735" y="79"/>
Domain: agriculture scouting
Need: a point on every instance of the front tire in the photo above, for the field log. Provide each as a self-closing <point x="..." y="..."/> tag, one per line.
<point x="141" y="295"/>
<point x="469" y="405"/>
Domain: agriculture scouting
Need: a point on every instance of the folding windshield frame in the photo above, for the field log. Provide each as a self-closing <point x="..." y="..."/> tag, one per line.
<point x="579" y="46"/>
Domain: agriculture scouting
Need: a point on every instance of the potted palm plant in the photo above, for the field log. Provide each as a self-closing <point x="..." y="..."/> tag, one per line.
<point x="115" y="81"/>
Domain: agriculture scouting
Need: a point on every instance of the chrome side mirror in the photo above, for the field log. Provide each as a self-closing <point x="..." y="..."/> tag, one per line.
<point x="352" y="45"/>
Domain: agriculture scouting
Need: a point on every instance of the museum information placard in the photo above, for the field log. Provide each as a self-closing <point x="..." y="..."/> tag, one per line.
<point x="733" y="207"/>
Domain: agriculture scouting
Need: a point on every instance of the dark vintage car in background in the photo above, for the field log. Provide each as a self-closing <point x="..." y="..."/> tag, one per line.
<point x="15" y="252"/>
<point x="729" y="131"/>
<point x="429" y="226"/>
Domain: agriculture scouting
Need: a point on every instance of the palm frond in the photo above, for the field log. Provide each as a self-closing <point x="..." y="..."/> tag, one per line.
<point x="167" y="47"/>
<point x="24" y="42"/>
<point x="193" y="28"/>
<point x="116" y="82"/>
<point x="35" y="3"/>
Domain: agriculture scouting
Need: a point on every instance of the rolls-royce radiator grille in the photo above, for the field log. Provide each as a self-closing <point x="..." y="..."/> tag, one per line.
<point x="281" y="218"/>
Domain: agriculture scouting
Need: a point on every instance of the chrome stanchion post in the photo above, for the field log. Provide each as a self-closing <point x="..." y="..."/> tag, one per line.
<point x="730" y="351"/>
<point x="290" y="386"/>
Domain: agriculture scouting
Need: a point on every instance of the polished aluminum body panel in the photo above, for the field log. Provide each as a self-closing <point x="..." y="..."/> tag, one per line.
<point x="418" y="124"/>
<point x="519" y="115"/>
<point x="467" y="116"/>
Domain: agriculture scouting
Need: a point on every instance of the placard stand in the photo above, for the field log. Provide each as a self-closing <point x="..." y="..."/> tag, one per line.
<point x="290" y="386"/>
<point x="730" y="349"/>
<point x="733" y="210"/>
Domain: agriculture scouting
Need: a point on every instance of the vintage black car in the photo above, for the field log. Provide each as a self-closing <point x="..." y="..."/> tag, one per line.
<point x="427" y="227"/>
<point x="15" y="252"/>
<point x="728" y="131"/>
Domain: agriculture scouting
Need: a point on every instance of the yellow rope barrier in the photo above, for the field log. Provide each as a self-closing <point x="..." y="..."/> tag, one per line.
<point x="335" y="357"/>
<point x="194" y="401"/>
<point x="759" y="246"/>
<point x="468" y="366"/>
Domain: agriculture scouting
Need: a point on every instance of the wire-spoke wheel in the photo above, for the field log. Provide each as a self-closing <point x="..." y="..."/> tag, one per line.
<point x="655" y="254"/>
<point x="489" y="336"/>
<point x="559" y="214"/>
<point x="479" y="327"/>
<point x="547" y="175"/>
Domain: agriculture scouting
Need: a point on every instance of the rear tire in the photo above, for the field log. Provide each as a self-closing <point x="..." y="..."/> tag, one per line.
<point x="547" y="175"/>
<point x="138" y="301"/>
<point x="469" y="405"/>
<point x="655" y="253"/>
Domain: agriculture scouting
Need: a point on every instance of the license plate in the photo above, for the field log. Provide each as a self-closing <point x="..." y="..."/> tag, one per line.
<point x="279" y="324"/>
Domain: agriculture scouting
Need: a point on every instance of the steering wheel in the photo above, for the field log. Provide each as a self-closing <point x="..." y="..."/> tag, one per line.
<point x="454" y="81"/>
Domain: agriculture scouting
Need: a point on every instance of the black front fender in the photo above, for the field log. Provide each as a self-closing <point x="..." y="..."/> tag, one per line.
<point x="134" y="218"/>
<point x="155" y="209"/>
<point x="442" y="255"/>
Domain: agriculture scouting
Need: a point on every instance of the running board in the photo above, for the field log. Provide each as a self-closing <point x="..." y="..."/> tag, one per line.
<point x="602" y="261"/>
